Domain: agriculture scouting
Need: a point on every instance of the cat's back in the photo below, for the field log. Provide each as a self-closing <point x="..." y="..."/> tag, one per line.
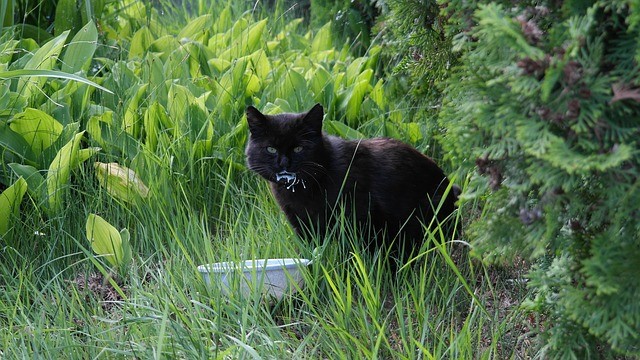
<point x="398" y="176"/>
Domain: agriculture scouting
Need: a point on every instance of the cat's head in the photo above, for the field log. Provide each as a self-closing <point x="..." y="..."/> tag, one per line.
<point x="286" y="148"/>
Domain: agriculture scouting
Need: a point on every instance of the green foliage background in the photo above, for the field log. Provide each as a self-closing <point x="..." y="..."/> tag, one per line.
<point x="535" y="107"/>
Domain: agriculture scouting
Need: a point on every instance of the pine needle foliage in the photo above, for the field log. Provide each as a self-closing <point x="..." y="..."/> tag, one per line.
<point x="544" y="111"/>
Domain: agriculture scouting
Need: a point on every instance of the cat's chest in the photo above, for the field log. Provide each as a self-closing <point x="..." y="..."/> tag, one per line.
<point x="301" y="203"/>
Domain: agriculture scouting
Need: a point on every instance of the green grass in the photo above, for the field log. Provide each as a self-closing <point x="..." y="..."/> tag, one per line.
<point x="351" y="307"/>
<point x="59" y="300"/>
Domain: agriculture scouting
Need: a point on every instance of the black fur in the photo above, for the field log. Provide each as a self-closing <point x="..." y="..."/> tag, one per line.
<point x="391" y="186"/>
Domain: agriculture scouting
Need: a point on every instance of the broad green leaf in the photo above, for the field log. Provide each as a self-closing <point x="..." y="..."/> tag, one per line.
<point x="321" y="83"/>
<point x="179" y="100"/>
<point x="37" y="128"/>
<point x="7" y="48"/>
<point x="292" y="86"/>
<point x="5" y="99"/>
<point x="343" y="130"/>
<point x="253" y="85"/>
<point x="152" y="121"/>
<point x="95" y="125"/>
<point x="102" y="129"/>
<point x="30" y="33"/>
<point x="254" y="35"/>
<point x="378" y="96"/>
<point x="245" y="42"/>
<point x="164" y="45"/>
<point x="260" y="65"/>
<point x="356" y="95"/>
<point x="59" y="172"/>
<point x="13" y="147"/>
<point x="224" y="20"/>
<point x="105" y="240"/>
<point x="85" y="154"/>
<point x="177" y="66"/>
<point x="121" y="182"/>
<point x="355" y="70"/>
<point x="220" y="65"/>
<point x="33" y="177"/>
<point x="132" y="116"/>
<point x="152" y="73"/>
<point x="67" y="17"/>
<point x="79" y="52"/>
<point x="10" y="205"/>
<point x="373" y="54"/>
<point x="28" y="73"/>
<point x="199" y="56"/>
<point x="140" y="43"/>
<point x="48" y="154"/>
<point x="43" y="59"/>
<point x="6" y="15"/>
<point x="196" y="28"/>
<point x="323" y="40"/>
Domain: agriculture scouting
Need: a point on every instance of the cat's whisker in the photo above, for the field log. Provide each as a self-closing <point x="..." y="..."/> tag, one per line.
<point x="311" y="176"/>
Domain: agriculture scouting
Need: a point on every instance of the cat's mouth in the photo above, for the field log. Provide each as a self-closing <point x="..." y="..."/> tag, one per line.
<point x="290" y="180"/>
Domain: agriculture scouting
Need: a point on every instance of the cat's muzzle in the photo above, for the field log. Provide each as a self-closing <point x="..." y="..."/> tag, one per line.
<point x="290" y="180"/>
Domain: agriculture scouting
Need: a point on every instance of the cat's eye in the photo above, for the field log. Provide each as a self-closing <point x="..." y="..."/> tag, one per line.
<point x="297" y="149"/>
<point x="271" y="150"/>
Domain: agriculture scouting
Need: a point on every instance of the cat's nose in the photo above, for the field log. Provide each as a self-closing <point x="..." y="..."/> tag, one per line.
<point x="283" y="162"/>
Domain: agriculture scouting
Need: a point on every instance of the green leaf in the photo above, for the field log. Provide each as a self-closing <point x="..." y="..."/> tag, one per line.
<point x="13" y="147"/>
<point x="105" y="240"/>
<point x="60" y="170"/>
<point x="323" y="40"/>
<point x="9" y="206"/>
<point x="85" y="154"/>
<point x="246" y="42"/>
<point x="260" y="64"/>
<point x="343" y="130"/>
<point x="140" y="43"/>
<point x="152" y="121"/>
<point x="28" y="73"/>
<point x="378" y="96"/>
<point x="196" y="28"/>
<point x="179" y="99"/>
<point x="132" y="115"/>
<point x="6" y="14"/>
<point x="354" y="70"/>
<point x="37" y="128"/>
<point x="355" y="96"/>
<point x="44" y="59"/>
<point x="164" y="45"/>
<point x="67" y="16"/>
<point x="33" y="177"/>
<point x="79" y="52"/>
<point x="224" y="20"/>
<point x="121" y="182"/>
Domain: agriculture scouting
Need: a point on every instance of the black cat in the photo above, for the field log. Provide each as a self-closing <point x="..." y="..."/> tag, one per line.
<point x="387" y="186"/>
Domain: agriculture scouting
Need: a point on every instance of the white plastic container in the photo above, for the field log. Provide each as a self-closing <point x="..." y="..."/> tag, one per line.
<point x="272" y="277"/>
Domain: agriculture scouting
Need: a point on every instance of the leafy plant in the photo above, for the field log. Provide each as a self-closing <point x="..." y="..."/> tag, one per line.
<point x="10" y="200"/>
<point x="543" y="101"/>
<point x="120" y="182"/>
<point x="109" y="243"/>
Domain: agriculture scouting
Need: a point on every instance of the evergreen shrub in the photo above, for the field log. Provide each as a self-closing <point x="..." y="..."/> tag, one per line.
<point x="544" y="112"/>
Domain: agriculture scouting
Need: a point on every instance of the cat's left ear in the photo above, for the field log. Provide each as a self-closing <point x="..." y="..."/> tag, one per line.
<point x="314" y="117"/>
<point x="256" y="120"/>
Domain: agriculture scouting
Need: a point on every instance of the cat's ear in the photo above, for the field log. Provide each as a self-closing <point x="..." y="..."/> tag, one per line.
<point x="314" y="117"/>
<point x="256" y="120"/>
